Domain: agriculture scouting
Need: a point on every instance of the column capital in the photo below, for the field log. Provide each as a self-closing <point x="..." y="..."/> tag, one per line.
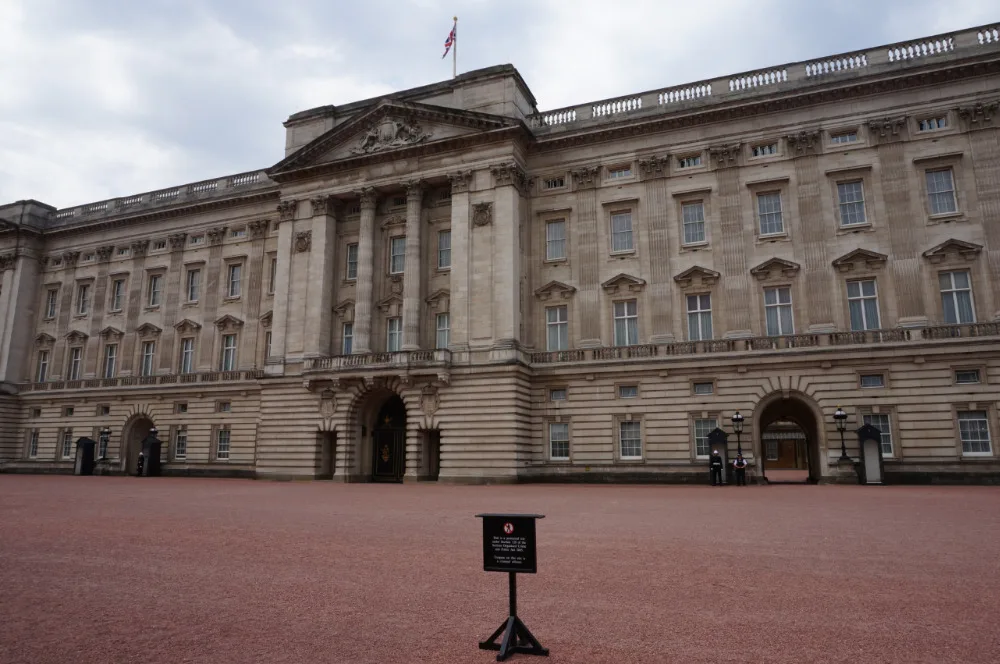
<point x="368" y="196"/>
<point x="286" y="210"/>
<point x="415" y="190"/>
<point x="887" y="129"/>
<point x="509" y="174"/>
<point x="7" y="261"/>
<point x="805" y="142"/>
<point x="324" y="204"/>
<point x="258" y="228"/>
<point x="460" y="182"/>
<point x="104" y="253"/>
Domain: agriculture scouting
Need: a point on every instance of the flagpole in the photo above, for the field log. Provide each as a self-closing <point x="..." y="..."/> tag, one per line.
<point x="454" y="52"/>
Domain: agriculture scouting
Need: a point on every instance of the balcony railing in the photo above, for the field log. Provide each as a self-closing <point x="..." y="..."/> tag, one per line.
<point x="373" y="361"/>
<point x="144" y="381"/>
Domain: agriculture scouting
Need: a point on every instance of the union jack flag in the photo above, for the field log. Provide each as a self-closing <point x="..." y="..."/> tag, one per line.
<point x="450" y="41"/>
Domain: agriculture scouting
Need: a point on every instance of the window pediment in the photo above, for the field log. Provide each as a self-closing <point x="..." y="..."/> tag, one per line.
<point x="44" y="340"/>
<point x="76" y="337"/>
<point x="860" y="257"/>
<point x="266" y="319"/>
<point x="345" y="310"/>
<point x="440" y="299"/>
<point x="228" y="323"/>
<point x="953" y="249"/>
<point x="555" y="289"/>
<point x="774" y="268"/>
<point x="148" y="330"/>
<point x="703" y="274"/>
<point x="187" y="325"/>
<point x="623" y="283"/>
<point x="392" y="306"/>
<point x="110" y="333"/>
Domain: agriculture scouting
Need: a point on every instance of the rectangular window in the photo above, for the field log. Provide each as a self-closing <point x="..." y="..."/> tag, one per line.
<point x="68" y="411"/>
<point x="967" y="377"/>
<point x="846" y="137"/>
<point x="443" y="325"/>
<point x="778" y="311"/>
<point x="862" y="300"/>
<point x="159" y="245"/>
<point x="235" y="280"/>
<point x="974" y="430"/>
<point x="941" y="191"/>
<point x="75" y="363"/>
<point x="155" y="289"/>
<point x="67" y="443"/>
<point x="559" y="441"/>
<point x="267" y="344"/>
<point x="764" y="150"/>
<point x="222" y="444"/>
<point x="197" y="239"/>
<point x="554" y="183"/>
<point x="555" y="240"/>
<point x="227" y="362"/>
<point x="50" y="303"/>
<point x="193" y="285"/>
<point x="348" y="339"/>
<point x="117" y="294"/>
<point x="771" y="451"/>
<point x="630" y="439"/>
<point x="689" y="161"/>
<point x="272" y="275"/>
<point x="110" y="360"/>
<point x="394" y="334"/>
<point x="873" y="380"/>
<point x="444" y="250"/>
<point x="626" y="323"/>
<point x="932" y="124"/>
<point x="397" y="254"/>
<point x="881" y="422"/>
<point x="225" y="407"/>
<point x="703" y="427"/>
<point x="621" y="231"/>
<point x="557" y="394"/>
<point x="352" y="261"/>
<point x="704" y="388"/>
<point x="851" y="198"/>
<point x="769" y="211"/>
<point x="557" y="328"/>
<point x="123" y="251"/>
<point x="33" y="444"/>
<point x="187" y="355"/>
<point x="238" y="232"/>
<point x="956" y="298"/>
<point x="83" y="299"/>
<point x="628" y="391"/>
<point x="43" y="366"/>
<point x="181" y="443"/>
<point x="619" y="173"/>
<point x="699" y="309"/>
<point x="693" y="215"/>
<point x="182" y="408"/>
<point x="148" y="353"/>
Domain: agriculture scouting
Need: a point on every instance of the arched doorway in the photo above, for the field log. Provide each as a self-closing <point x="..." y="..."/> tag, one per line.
<point x="132" y="437"/>
<point x="787" y="438"/>
<point x="389" y="441"/>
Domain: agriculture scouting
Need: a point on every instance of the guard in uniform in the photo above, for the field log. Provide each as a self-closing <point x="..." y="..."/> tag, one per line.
<point x="715" y="464"/>
<point x="740" y="464"/>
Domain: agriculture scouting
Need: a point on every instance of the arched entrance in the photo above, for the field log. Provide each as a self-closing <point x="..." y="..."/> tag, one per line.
<point x="787" y="438"/>
<point x="388" y="441"/>
<point x="132" y="437"/>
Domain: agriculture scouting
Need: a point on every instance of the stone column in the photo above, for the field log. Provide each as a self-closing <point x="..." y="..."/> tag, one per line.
<point x="413" y="267"/>
<point x="19" y="275"/>
<point x="93" y="350"/>
<point x="253" y="294"/>
<point x="654" y="172"/>
<point x="176" y="289"/>
<point x="735" y="238"/>
<point x="509" y="182"/>
<point x="322" y="256"/>
<point x="67" y="312"/>
<point x="589" y="296"/>
<point x="207" y="358"/>
<point x="982" y="128"/>
<point x="459" y="289"/>
<point x="279" y="316"/>
<point x="366" y="270"/>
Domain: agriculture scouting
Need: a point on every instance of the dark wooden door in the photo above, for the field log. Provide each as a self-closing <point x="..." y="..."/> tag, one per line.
<point x="390" y="455"/>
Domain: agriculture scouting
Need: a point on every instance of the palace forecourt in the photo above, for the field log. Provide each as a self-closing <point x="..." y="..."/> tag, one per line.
<point x="448" y="284"/>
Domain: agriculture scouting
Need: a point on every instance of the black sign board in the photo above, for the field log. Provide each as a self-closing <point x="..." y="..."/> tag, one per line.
<point x="509" y="543"/>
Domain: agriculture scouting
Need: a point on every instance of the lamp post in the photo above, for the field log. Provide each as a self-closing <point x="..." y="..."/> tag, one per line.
<point x="840" y="417"/>
<point x="105" y="436"/>
<point x="738" y="428"/>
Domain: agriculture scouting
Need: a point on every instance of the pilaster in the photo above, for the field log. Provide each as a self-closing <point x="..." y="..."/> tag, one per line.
<point x="207" y="360"/>
<point x="322" y="258"/>
<point x="660" y="299"/>
<point x="589" y="296"/>
<point x="505" y="216"/>
<point x="734" y="240"/>
<point x="254" y="292"/>
<point x="279" y="318"/>
<point x="172" y="302"/>
<point x="460" y="265"/>
<point x="816" y="235"/>
<point x="19" y="279"/>
<point x="366" y="272"/>
<point x="413" y="268"/>
<point x="137" y="281"/>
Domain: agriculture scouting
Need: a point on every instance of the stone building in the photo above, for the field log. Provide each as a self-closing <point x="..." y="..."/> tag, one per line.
<point x="447" y="284"/>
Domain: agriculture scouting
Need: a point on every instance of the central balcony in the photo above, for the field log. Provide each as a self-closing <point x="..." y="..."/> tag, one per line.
<point x="401" y="362"/>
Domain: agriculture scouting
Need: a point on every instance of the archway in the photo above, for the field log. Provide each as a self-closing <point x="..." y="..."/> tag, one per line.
<point x="788" y="439"/>
<point x="389" y="441"/>
<point x="132" y="436"/>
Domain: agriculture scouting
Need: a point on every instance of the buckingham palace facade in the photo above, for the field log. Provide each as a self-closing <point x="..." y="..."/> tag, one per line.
<point x="446" y="284"/>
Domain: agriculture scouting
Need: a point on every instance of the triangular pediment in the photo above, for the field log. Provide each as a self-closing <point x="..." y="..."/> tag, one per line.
<point x="112" y="333"/>
<point x="391" y="305"/>
<point x="148" y="329"/>
<point x="703" y="274"/>
<point x="554" y="289"/>
<point x="775" y="267"/>
<point x="228" y="322"/>
<point x="344" y="308"/>
<point x="954" y="248"/>
<point x="391" y="126"/>
<point x="266" y="319"/>
<point x="76" y="336"/>
<point x="623" y="283"/>
<point x="859" y="257"/>
<point x="45" y="339"/>
<point x="187" y="325"/>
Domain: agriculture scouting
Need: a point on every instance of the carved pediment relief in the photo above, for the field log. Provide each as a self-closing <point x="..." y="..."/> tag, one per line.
<point x="697" y="275"/>
<point x="266" y="319"/>
<point x="953" y="249"/>
<point x="345" y="310"/>
<point x="44" y="340"/>
<point x="111" y="333"/>
<point x="228" y="323"/>
<point x="186" y="326"/>
<point x="148" y="330"/>
<point x="860" y="258"/>
<point x="393" y="220"/>
<point x="440" y="299"/>
<point x="76" y="337"/>
<point x="623" y="283"/>
<point x="555" y="289"/>
<point x="774" y="268"/>
<point x="392" y="305"/>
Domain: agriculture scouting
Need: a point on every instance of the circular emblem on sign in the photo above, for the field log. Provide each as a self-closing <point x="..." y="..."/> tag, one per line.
<point x="508" y="528"/>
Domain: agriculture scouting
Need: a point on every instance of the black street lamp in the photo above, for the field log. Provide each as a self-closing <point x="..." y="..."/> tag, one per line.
<point x="738" y="428"/>
<point x="105" y="436"/>
<point x="841" y="418"/>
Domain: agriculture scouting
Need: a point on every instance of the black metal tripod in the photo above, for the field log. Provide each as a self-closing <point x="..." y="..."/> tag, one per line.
<point x="516" y="636"/>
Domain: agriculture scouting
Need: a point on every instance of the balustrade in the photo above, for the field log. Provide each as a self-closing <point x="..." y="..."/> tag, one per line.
<point x="143" y="381"/>
<point x="684" y="93"/>
<point x="836" y="64"/>
<point x="920" y="49"/>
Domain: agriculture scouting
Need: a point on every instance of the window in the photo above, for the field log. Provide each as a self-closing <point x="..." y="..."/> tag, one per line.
<point x="159" y="245"/>
<point x="974" y="430"/>
<point x="862" y="300"/>
<point x="394" y="334"/>
<point x="628" y="391"/>
<point x="397" y="254"/>
<point x="267" y="344"/>
<point x="764" y="149"/>
<point x="123" y="251"/>
<point x="967" y="376"/>
<point x="693" y="215"/>
<point x="36" y="412"/>
<point x="110" y="360"/>
<point x="851" y="197"/>
<point x="238" y="232"/>
<point x="227" y="362"/>
<point x="148" y="353"/>
<point x="352" y="261"/>
<point x="444" y="250"/>
<point x="554" y="183"/>
<point x="941" y="191"/>
<point x="845" y="137"/>
<point x="222" y="444"/>
<point x="778" y="311"/>
<point x="626" y="323"/>
<point x="873" y="380"/>
<point x="235" y="276"/>
<point x="704" y="388"/>
<point x="103" y="410"/>
<point x="117" y="294"/>
<point x="83" y="299"/>
<point x="225" y="407"/>
<point x="620" y="172"/>
<point x="689" y="161"/>
<point x="769" y="211"/>
<point x="68" y="411"/>
<point x="43" y="366"/>
<point x="630" y="439"/>
<point x="557" y="328"/>
<point x="771" y="451"/>
<point x="699" y="317"/>
<point x="187" y="355"/>
<point x="33" y="444"/>
<point x="193" y="285"/>
<point x="155" y="289"/>
<point x="102" y="446"/>
<point x="348" y="339"/>
<point x="50" y="302"/>
<point x="555" y="240"/>
<point x="703" y="427"/>
<point x="181" y="442"/>
<point x="197" y="239"/>
<point x="443" y="330"/>
<point x="75" y="362"/>
<point x="956" y="298"/>
<point x="182" y="408"/>
<point x="559" y="441"/>
<point x="621" y="231"/>
<point x="881" y="422"/>
<point x="932" y="124"/>
<point x="557" y="394"/>
<point x="272" y="275"/>
<point x="67" y="443"/>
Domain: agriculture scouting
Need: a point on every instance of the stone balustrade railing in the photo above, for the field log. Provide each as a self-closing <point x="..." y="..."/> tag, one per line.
<point x="373" y="361"/>
<point x="765" y="81"/>
<point x="194" y="192"/>
<point x="143" y="381"/>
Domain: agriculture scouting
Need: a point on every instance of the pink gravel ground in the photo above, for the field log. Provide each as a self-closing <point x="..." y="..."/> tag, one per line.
<point x="97" y="569"/>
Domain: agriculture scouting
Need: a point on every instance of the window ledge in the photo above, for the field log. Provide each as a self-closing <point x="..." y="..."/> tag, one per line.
<point x="623" y="254"/>
<point x="556" y="261"/>
<point x="154" y="307"/>
<point x="232" y="298"/>
<point x="349" y="282"/>
<point x="630" y="461"/>
<point x="978" y="457"/>
<point x="946" y="218"/>
<point x="444" y="269"/>
<point x="854" y="228"/>
<point x="79" y="316"/>
<point x="694" y="246"/>
<point x="773" y="237"/>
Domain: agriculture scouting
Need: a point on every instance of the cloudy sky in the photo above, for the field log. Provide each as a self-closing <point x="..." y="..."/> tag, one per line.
<point x="105" y="98"/>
